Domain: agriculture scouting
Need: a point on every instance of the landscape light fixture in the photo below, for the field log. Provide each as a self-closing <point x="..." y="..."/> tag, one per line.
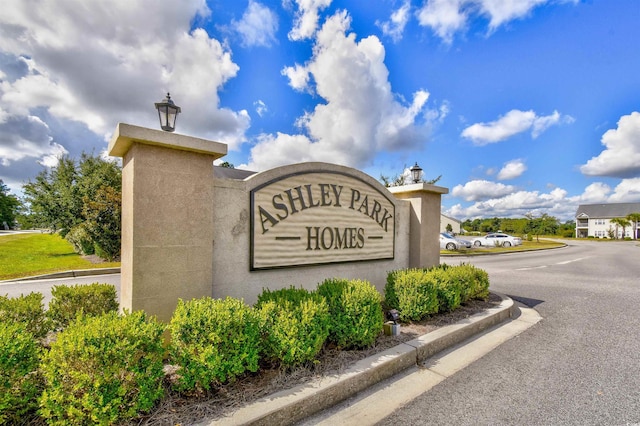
<point x="167" y="112"/>
<point x="393" y="315"/>
<point x="416" y="173"/>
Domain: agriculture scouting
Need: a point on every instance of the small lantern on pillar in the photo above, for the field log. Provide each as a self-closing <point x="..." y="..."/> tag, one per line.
<point x="416" y="173"/>
<point x="167" y="112"/>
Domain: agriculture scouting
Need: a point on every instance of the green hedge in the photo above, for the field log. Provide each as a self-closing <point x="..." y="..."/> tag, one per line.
<point x="355" y="312"/>
<point x="418" y="293"/>
<point x="415" y="292"/>
<point x="87" y="299"/>
<point x="103" y="370"/>
<point x="214" y="341"/>
<point x="20" y="381"/>
<point x="296" y="324"/>
<point x="27" y="310"/>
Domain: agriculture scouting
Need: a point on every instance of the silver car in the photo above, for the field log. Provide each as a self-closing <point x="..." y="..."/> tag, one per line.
<point x="497" y="239"/>
<point x="449" y="242"/>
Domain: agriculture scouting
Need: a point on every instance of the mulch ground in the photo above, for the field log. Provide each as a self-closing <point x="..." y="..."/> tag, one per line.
<point x="176" y="409"/>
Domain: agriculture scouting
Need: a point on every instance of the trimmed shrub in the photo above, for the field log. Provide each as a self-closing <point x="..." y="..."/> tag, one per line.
<point x="355" y="312"/>
<point x="296" y="324"/>
<point x="28" y="310"/>
<point x="415" y="293"/>
<point x="20" y="381"/>
<point x="103" y="370"/>
<point x="214" y="341"/>
<point x="449" y="288"/>
<point x="80" y="240"/>
<point x="70" y="301"/>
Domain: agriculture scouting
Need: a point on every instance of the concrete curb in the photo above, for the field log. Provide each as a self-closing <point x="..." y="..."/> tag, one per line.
<point x="292" y="405"/>
<point x="67" y="274"/>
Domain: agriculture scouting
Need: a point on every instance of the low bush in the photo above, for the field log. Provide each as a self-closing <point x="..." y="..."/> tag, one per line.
<point x="448" y="287"/>
<point x="418" y="293"/>
<point x="80" y="240"/>
<point x="214" y="340"/>
<point x="355" y="312"/>
<point x="20" y="381"/>
<point x="103" y="370"/>
<point x="413" y="293"/>
<point x="70" y="301"/>
<point x="296" y="324"/>
<point x="27" y="310"/>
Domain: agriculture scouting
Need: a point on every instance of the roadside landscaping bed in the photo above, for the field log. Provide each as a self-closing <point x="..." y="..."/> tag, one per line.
<point x="178" y="409"/>
<point x="82" y="362"/>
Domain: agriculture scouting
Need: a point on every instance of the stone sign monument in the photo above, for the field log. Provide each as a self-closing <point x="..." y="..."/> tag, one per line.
<point x="190" y="229"/>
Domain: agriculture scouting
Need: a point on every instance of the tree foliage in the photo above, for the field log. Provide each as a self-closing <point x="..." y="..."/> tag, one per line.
<point x="530" y="224"/>
<point x="84" y="193"/>
<point x="621" y="222"/>
<point x="9" y="205"/>
<point x="635" y="219"/>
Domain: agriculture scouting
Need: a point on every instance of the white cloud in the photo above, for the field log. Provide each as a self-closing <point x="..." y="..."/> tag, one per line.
<point x="298" y="77"/>
<point x="518" y="204"/>
<point x="476" y="190"/>
<point x="510" y="124"/>
<point x="512" y="170"/>
<point x="621" y="156"/>
<point x="502" y="11"/>
<point x="447" y="17"/>
<point x="627" y="191"/>
<point x="261" y="107"/>
<point x="360" y="116"/>
<point x="395" y="26"/>
<point x="596" y="192"/>
<point x="306" y="18"/>
<point x="105" y="61"/>
<point x="257" y="26"/>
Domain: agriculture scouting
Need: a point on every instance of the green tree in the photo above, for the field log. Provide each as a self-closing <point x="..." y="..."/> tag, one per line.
<point x="103" y="214"/>
<point x="635" y="219"/>
<point x="63" y="198"/>
<point x="622" y="223"/>
<point x="9" y="205"/>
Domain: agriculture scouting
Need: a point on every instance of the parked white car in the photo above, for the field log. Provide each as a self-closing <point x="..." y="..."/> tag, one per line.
<point x="496" y="239"/>
<point x="449" y="242"/>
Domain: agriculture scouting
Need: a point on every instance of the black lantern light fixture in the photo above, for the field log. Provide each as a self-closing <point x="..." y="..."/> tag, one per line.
<point x="416" y="173"/>
<point x="167" y="112"/>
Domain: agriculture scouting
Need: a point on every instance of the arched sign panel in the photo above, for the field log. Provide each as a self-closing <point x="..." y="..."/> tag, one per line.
<point x="318" y="217"/>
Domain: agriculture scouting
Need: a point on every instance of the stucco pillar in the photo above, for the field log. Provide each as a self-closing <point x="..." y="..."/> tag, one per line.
<point x="167" y="217"/>
<point x="424" y="243"/>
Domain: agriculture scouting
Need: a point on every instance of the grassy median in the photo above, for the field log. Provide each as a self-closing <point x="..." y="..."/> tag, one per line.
<point x="526" y="246"/>
<point x="23" y="255"/>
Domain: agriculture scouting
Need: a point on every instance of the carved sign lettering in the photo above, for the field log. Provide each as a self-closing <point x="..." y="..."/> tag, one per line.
<point x="320" y="217"/>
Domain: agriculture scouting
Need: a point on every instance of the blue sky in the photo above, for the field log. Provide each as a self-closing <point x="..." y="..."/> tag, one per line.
<point x="523" y="106"/>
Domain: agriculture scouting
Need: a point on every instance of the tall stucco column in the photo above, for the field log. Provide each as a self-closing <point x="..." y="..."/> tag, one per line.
<point x="167" y="217"/>
<point x="425" y="199"/>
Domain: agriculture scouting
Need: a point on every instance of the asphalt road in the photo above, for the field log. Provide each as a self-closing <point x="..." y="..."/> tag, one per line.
<point x="43" y="286"/>
<point x="579" y="366"/>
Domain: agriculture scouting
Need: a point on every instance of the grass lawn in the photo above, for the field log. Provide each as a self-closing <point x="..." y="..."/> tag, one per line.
<point x="23" y="255"/>
<point x="526" y="246"/>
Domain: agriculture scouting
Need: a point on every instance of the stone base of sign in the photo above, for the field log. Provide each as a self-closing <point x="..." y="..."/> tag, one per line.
<point x="187" y="230"/>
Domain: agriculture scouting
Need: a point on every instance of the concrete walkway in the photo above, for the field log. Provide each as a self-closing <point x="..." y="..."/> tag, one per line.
<point x="375" y="386"/>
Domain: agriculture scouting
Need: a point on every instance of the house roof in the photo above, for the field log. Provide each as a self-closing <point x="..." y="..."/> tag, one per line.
<point x="608" y="210"/>
<point x="452" y="219"/>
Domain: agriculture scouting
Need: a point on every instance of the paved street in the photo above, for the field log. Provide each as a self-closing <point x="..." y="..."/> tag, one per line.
<point x="43" y="286"/>
<point x="579" y="366"/>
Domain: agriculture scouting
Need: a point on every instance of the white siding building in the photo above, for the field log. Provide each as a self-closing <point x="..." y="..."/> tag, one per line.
<point x="594" y="220"/>
<point x="456" y="225"/>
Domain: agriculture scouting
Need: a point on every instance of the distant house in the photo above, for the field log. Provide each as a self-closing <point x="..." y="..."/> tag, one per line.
<point x="594" y="220"/>
<point x="456" y="225"/>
